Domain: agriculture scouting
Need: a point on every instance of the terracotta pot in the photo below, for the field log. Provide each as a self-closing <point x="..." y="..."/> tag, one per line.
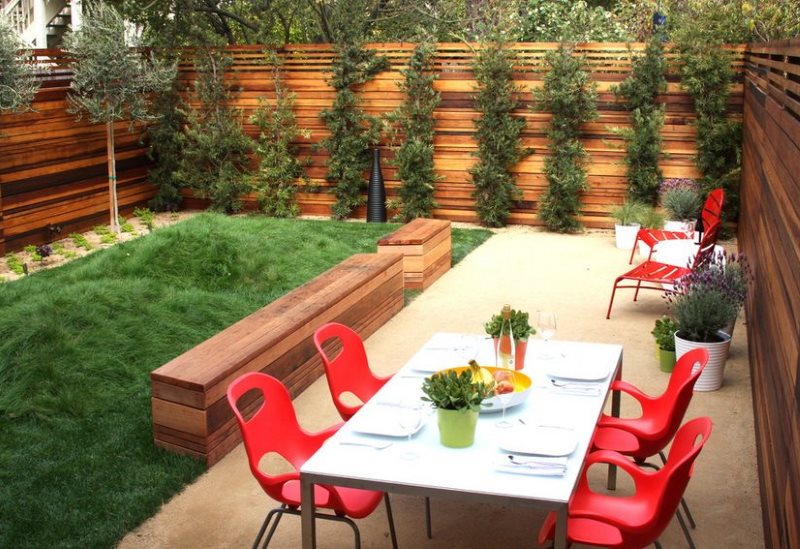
<point x="711" y="378"/>
<point x="457" y="427"/>
<point x="520" y="349"/>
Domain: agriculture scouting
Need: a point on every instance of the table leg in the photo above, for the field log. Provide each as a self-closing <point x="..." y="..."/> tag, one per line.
<point x="560" y="539"/>
<point x="307" y="514"/>
<point x="615" y="404"/>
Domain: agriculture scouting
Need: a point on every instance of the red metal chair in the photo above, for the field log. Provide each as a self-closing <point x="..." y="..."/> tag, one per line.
<point x="647" y="435"/>
<point x="272" y="427"/>
<point x="658" y="274"/>
<point x="711" y="215"/>
<point x="639" y="519"/>
<point x="348" y="371"/>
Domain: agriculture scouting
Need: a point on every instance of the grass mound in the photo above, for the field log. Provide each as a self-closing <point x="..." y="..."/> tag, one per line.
<point x="77" y="344"/>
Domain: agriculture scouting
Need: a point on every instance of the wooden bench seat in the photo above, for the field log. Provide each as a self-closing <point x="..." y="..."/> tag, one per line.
<point x="426" y="248"/>
<point x="191" y="414"/>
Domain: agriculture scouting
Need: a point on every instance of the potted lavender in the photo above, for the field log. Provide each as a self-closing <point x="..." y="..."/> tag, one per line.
<point x="705" y="303"/>
<point x="680" y="198"/>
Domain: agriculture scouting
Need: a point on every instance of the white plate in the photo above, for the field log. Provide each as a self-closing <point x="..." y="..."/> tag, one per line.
<point x="381" y="421"/>
<point x="584" y="371"/>
<point x="539" y="441"/>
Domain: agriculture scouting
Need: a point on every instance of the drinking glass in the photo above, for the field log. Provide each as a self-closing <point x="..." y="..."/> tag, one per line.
<point x="505" y="399"/>
<point x="546" y="325"/>
<point x="409" y="417"/>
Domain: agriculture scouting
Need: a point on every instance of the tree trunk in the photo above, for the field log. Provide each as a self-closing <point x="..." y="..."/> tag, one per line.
<point x="112" y="177"/>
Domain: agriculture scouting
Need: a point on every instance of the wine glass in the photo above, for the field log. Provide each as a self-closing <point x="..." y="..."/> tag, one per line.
<point x="409" y="417"/>
<point x="505" y="398"/>
<point x="546" y="325"/>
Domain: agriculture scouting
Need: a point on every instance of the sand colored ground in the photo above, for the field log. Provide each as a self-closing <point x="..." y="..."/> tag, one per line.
<point x="531" y="270"/>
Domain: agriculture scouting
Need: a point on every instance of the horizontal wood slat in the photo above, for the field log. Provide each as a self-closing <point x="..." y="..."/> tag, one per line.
<point x="769" y="233"/>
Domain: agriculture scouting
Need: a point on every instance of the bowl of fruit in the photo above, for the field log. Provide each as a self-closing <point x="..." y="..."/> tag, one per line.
<point x="504" y="381"/>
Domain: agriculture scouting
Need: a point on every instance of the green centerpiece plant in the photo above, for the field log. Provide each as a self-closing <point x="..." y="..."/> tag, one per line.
<point x="457" y="398"/>
<point x="521" y="329"/>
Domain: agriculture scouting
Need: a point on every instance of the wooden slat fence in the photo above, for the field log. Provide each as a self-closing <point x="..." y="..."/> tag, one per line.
<point x="52" y="169"/>
<point x="769" y="233"/>
<point x="53" y="173"/>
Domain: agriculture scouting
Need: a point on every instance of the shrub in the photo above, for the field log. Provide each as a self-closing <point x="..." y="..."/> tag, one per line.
<point x="681" y="203"/>
<point x="165" y="145"/>
<point x="571" y="98"/>
<point x="629" y="213"/>
<point x="18" y="83"/>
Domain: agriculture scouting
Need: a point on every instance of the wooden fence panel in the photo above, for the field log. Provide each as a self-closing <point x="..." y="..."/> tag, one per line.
<point x="769" y="233"/>
<point x="52" y="169"/>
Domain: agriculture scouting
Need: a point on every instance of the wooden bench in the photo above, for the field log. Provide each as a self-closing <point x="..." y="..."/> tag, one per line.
<point x="191" y="414"/>
<point x="425" y="245"/>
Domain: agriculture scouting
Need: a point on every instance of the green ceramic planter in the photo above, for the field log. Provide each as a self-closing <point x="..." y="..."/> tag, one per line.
<point x="666" y="360"/>
<point x="457" y="427"/>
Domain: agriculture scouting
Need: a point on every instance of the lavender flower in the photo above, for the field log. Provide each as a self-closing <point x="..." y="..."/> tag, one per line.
<point x="678" y="183"/>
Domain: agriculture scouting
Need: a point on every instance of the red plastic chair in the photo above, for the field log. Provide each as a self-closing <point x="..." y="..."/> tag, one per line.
<point x="273" y="427"/>
<point x="647" y="435"/>
<point x="348" y="371"/>
<point x="651" y="275"/>
<point x="637" y="520"/>
<point x="711" y="215"/>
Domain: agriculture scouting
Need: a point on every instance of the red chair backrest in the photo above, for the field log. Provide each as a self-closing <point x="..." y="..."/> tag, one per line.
<point x="675" y="475"/>
<point x="706" y="249"/>
<point x="348" y="371"/>
<point x="712" y="209"/>
<point x="272" y="427"/>
<point x="666" y="413"/>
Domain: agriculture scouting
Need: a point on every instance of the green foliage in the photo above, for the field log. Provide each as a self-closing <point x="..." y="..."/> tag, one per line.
<point x="565" y="20"/>
<point x="165" y="146"/>
<point x="352" y="131"/>
<point x="652" y="219"/>
<point x="146" y="216"/>
<point x="18" y="83"/>
<point x="701" y="313"/>
<point x="520" y="325"/>
<point x="280" y="167"/>
<point x="664" y="333"/>
<point x="643" y="139"/>
<point x="498" y="134"/>
<point x="414" y="119"/>
<point x="101" y="230"/>
<point x="629" y="213"/>
<point x="109" y="238"/>
<point x="214" y="159"/>
<point x="681" y="203"/>
<point x="572" y="100"/>
<point x="81" y="241"/>
<point x="14" y="264"/>
<point x="451" y="391"/>
<point x="706" y="74"/>
<point x="127" y="227"/>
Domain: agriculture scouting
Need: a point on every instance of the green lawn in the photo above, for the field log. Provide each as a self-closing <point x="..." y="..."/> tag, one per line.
<point x="77" y="343"/>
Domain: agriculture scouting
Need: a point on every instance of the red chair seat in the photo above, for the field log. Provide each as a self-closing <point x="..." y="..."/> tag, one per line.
<point x="354" y="502"/>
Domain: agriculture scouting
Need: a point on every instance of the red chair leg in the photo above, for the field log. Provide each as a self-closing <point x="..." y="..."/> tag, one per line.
<point x="633" y="251"/>
<point x="638" y="285"/>
<point x="610" y="303"/>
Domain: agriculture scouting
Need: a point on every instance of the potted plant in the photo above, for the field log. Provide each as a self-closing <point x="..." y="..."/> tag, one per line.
<point x="704" y="303"/>
<point x="627" y="217"/>
<point x="682" y="204"/>
<point x="664" y="334"/>
<point x="457" y="398"/>
<point x="520" y="328"/>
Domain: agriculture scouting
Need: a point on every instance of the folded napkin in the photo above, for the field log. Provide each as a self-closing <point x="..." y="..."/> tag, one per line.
<point x="527" y="465"/>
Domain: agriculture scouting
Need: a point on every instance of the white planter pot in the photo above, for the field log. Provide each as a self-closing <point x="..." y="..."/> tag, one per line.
<point x="711" y="378"/>
<point x="626" y="235"/>
<point x="685" y="226"/>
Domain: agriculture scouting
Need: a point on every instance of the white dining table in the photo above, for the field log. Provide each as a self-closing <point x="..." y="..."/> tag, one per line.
<point x="479" y="473"/>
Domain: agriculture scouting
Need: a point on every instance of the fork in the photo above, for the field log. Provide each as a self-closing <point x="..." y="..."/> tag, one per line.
<point x="376" y="445"/>
<point x="536" y="463"/>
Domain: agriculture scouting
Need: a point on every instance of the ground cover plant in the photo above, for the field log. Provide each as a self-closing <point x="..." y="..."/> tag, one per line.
<point x="77" y="344"/>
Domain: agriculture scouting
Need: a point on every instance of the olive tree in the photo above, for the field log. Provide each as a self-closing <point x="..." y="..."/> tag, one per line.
<point x="18" y="83"/>
<point x="112" y="81"/>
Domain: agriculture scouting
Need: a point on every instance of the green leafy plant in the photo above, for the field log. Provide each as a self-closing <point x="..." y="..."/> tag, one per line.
<point x="681" y="203"/>
<point x="108" y="238"/>
<point x="651" y="219"/>
<point x="569" y="20"/>
<point x="146" y="216"/>
<point x="214" y="159"/>
<point x="498" y="134"/>
<point x="14" y="264"/>
<point x="352" y="131"/>
<point x="664" y="333"/>
<point x="630" y="212"/>
<point x="572" y="99"/>
<point x="18" y="82"/>
<point x="111" y="81"/>
<point x="101" y="230"/>
<point x="81" y="241"/>
<point x="414" y="119"/>
<point x="127" y="227"/>
<point x="449" y="390"/>
<point x="280" y="167"/>
<point x="520" y="325"/>
<point x="31" y="250"/>
<point x="165" y="145"/>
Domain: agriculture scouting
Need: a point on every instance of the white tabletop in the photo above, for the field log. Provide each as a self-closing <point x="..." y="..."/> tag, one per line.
<point x="472" y="473"/>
